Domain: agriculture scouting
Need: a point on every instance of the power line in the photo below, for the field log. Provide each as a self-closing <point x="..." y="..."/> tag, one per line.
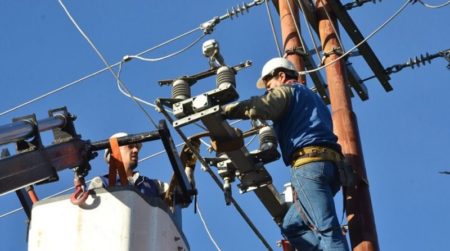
<point x="433" y="6"/>
<point x="55" y="90"/>
<point x="170" y="55"/>
<point x="360" y="43"/>
<point x="296" y="26"/>
<point x="94" y="74"/>
<point x="269" y="14"/>
<point x="125" y="93"/>
<point x="53" y="195"/>
<point x="333" y="27"/>
<point x="206" y="227"/>
<point x="300" y="3"/>
<point x="206" y="27"/>
<point x="104" y="61"/>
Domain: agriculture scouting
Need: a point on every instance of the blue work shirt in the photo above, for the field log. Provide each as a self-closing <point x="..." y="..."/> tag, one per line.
<point x="306" y="122"/>
<point x="148" y="187"/>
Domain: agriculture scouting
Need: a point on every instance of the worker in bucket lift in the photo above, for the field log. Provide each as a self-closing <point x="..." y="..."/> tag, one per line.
<point x="304" y="129"/>
<point x="130" y="157"/>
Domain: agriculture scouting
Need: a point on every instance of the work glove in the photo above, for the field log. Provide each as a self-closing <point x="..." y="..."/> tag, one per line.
<point x="188" y="159"/>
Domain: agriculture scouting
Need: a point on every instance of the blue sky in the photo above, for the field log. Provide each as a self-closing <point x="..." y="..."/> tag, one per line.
<point x="404" y="133"/>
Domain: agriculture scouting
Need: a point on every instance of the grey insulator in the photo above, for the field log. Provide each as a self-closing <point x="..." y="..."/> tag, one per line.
<point x="181" y="89"/>
<point x="225" y="75"/>
<point x="267" y="138"/>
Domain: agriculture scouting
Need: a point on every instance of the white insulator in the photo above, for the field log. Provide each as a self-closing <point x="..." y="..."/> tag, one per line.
<point x="225" y="75"/>
<point x="181" y="89"/>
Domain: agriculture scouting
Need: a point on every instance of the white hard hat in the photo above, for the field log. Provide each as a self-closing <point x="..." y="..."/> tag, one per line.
<point x="115" y="135"/>
<point x="271" y="66"/>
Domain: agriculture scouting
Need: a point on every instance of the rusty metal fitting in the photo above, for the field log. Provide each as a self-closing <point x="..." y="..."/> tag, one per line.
<point x="297" y="51"/>
<point x="335" y="51"/>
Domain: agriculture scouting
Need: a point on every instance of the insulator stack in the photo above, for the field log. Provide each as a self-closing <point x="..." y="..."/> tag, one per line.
<point x="235" y="11"/>
<point x="225" y="75"/>
<point x="267" y="138"/>
<point x="181" y="89"/>
<point x="419" y="60"/>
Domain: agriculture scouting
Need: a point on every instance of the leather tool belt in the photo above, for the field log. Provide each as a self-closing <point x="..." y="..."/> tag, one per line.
<point x="310" y="154"/>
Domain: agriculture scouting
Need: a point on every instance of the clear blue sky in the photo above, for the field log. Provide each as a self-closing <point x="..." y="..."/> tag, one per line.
<point x="404" y="133"/>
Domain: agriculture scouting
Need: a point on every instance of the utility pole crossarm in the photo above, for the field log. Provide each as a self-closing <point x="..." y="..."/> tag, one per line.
<point x="354" y="81"/>
<point x="364" y="49"/>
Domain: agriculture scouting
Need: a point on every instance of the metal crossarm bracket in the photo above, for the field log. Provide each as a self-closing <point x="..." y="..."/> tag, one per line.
<point x="365" y="50"/>
<point x="355" y="35"/>
<point x="355" y="81"/>
<point x="222" y="95"/>
<point x="253" y="175"/>
<point x="317" y="78"/>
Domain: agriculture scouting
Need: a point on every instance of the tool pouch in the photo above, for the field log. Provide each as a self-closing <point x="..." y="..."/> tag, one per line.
<point x="346" y="174"/>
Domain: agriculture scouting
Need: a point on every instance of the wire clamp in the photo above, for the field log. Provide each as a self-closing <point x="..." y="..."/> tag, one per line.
<point x="208" y="26"/>
<point x="297" y="51"/>
<point x="335" y="51"/>
<point x="446" y="56"/>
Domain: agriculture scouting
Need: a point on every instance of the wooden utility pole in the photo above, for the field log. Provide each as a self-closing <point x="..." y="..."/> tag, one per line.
<point x="291" y="39"/>
<point x="360" y="217"/>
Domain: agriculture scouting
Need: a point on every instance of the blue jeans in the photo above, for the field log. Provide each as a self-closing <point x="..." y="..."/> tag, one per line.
<point x="315" y="184"/>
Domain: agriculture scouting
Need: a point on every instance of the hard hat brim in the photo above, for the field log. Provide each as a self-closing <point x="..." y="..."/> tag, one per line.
<point x="260" y="84"/>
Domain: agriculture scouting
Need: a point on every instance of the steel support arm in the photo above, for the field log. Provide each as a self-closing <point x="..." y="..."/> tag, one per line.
<point x="32" y="167"/>
<point x="252" y="175"/>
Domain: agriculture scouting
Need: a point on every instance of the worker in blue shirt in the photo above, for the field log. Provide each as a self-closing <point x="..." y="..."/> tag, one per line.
<point x="304" y="129"/>
<point x="130" y="156"/>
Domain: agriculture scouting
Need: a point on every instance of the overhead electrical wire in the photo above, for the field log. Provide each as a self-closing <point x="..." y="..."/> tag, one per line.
<point x="109" y="67"/>
<point x="187" y="33"/>
<point x="170" y="55"/>
<point x="206" y="27"/>
<point x="207" y="168"/>
<point x="51" y="196"/>
<point x="94" y="73"/>
<point x="250" y="141"/>
<point x="121" y="84"/>
<point x="433" y="6"/>
<point x="70" y="188"/>
<point x="308" y="25"/>
<point x="269" y="14"/>
<point x="140" y="160"/>
<point x="204" y="163"/>
<point x="105" y="62"/>
<point x="172" y="40"/>
<point x="53" y="91"/>
<point x="206" y="227"/>
<point x="296" y="26"/>
<point x="125" y="93"/>
<point x="360" y="43"/>
<point x="333" y="27"/>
